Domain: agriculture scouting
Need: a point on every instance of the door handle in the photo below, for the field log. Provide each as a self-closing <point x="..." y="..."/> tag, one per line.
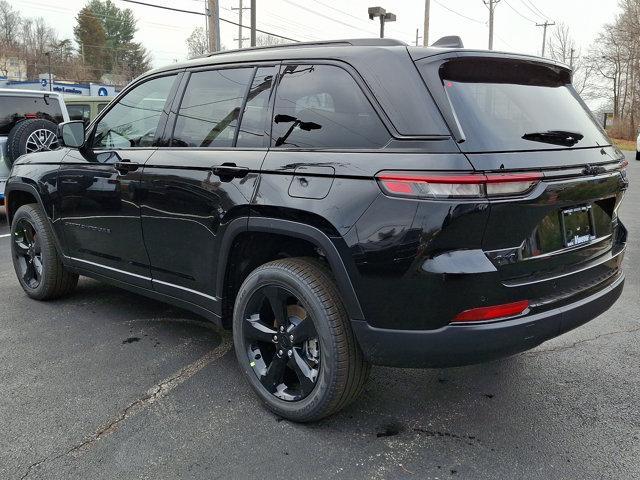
<point x="126" y="166"/>
<point x="229" y="170"/>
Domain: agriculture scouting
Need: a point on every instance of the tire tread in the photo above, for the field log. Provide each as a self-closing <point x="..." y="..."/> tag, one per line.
<point x="58" y="281"/>
<point x="352" y="370"/>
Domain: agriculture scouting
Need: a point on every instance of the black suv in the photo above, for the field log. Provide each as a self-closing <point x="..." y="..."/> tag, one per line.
<point x="338" y="205"/>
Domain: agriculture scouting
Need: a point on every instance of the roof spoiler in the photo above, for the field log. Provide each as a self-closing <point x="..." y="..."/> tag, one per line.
<point x="450" y="41"/>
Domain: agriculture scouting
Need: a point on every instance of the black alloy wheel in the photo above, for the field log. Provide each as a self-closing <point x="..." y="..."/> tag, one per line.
<point x="37" y="263"/>
<point x="293" y="340"/>
<point x="28" y="252"/>
<point x="281" y="343"/>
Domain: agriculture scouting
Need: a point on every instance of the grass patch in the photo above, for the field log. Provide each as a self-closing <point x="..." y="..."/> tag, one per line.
<point x="624" y="144"/>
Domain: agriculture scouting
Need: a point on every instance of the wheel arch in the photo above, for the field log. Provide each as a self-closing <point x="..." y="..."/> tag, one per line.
<point x="307" y="235"/>
<point x="19" y="194"/>
<point x="22" y="193"/>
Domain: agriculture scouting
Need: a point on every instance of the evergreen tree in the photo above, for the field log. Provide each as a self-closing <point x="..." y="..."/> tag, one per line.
<point x="92" y="40"/>
<point x="133" y="60"/>
<point x="119" y="26"/>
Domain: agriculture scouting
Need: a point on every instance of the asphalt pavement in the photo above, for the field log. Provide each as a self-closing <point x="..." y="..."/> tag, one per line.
<point x="105" y="384"/>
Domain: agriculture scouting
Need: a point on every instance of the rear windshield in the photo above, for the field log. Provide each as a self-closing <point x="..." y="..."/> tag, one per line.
<point x="504" y="105"/>
<point x="13" y="109"/>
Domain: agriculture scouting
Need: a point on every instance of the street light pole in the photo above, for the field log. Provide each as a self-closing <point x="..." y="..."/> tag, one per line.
<point x="48" y="54"/>
<point x="383" y="15"/>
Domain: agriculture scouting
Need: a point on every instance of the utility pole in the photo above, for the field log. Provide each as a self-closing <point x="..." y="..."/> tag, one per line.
<point x="214" y="25"/>
<point x="491" y="4"/>
<point x="253" y="23"/>
<point x="425" y="35"/>
<point x="417" y="37"/>
<point x="544" y="33"/>
<point x="206" y="15"/>
<point x="240" y="8"/>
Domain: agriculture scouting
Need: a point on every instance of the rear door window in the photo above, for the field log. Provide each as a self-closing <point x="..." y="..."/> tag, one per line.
<point x="209" y="111"/>
<point x="14" y="108"/>
<point x="322" y="106"/>
<point x="508" y="106"/>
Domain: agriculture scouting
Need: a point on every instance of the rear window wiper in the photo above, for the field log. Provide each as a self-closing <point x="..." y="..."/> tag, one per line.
<point x="555" y="137"/>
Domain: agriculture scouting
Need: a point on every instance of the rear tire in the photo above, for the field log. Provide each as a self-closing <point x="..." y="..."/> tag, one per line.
<point x="28" y="136"/>
<point x="36" y="261"/>
<point x="336" y="366"/>
<point x="637" y="155"/>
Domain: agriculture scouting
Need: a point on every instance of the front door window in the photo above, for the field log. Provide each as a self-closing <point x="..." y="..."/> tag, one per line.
<point x="133" y="120"/>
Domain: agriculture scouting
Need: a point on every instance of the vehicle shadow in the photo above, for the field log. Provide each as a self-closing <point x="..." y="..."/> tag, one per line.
<point x="465" y="404"/>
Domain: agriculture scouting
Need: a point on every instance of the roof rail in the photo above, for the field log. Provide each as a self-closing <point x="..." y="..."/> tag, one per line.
<point x="353" y="42"/>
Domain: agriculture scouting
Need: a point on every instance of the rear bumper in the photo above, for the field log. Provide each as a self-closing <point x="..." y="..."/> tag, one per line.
<point x="456" y="345"/>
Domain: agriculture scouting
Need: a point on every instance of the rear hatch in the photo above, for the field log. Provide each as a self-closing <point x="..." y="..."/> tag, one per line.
<point x="559" y="238"/>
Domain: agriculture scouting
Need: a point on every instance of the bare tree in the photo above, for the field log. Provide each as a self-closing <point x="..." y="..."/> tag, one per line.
<point x="562" y="48"/>
<point x="263" y="40"/>
<point x="615" y="57"/>
<point x="9" y="25"/>
<point x="560" y="45"/>
<point x="197" y="43"/>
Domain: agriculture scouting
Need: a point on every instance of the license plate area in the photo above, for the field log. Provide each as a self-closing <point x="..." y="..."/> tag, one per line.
<point x="578" y="226"/>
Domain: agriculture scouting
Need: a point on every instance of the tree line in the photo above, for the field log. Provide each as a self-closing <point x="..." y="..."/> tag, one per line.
<point x="102" y="47"/>
<point x="615" y="60"/>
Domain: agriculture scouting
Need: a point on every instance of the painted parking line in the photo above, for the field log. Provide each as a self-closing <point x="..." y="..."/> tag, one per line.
<point x="5" y="235"/>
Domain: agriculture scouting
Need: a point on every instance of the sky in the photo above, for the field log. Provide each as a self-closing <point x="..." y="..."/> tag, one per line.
<point x="164" y="32"/>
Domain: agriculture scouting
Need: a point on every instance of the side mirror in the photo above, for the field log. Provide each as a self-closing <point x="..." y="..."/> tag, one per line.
<point x="71" y="134"/>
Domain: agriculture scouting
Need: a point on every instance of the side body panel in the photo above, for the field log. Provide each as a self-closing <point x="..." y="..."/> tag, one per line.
<point x="185" y="212"/>
<point x="100" y="214"/>
<point x="383" y="241"/>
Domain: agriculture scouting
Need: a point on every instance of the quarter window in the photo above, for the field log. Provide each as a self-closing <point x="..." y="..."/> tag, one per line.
<point x="321" y="106"/>
<point x="210" y="108"/>
<point x="134" y="119"/>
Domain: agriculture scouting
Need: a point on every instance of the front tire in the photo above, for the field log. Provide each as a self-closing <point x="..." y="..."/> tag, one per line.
<point x="294" y="342"/>
<point x="36" y="261"/>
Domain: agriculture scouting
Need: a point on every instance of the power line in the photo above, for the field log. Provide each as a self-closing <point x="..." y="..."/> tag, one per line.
<point x="326" y="16"/>
<point x="360" y="19"/>
<point x="537" y="9"/>
<point x="56" y="9"/>
<point x="459" y="14"/>
<point x="204" y="14"/>
<point x="523" y="16"/>
<point x="164" y="7"/>
<point x="537" y="14"/>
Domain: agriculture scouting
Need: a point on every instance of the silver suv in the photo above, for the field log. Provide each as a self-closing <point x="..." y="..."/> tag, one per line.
<point x="28" y="123"/>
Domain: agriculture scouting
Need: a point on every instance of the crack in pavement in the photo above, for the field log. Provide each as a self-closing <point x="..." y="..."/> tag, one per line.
<point x="561" y="348"/>
<point x="155" y="393"/>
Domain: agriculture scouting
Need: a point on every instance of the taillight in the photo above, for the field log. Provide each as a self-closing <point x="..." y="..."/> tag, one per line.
<point x="474" y="185"/>
<point x="493" y="312"/>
